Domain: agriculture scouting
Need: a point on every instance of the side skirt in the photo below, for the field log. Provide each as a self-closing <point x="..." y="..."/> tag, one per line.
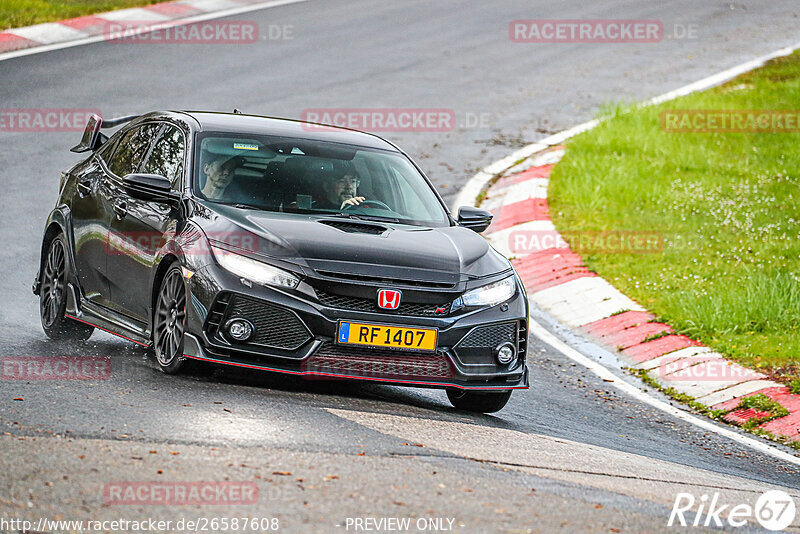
<point x="104" y="319"/>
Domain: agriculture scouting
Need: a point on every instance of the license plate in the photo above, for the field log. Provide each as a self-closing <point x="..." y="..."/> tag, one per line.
<point x="396" y="337"/>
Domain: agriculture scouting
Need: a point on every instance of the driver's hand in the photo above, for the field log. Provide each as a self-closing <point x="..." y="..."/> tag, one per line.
<point x="355" y="201"/>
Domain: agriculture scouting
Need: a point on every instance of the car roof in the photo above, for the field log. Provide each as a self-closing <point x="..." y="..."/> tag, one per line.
<point x="240" y="123"/>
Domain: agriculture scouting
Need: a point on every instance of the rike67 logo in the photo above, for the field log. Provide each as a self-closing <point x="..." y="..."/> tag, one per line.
<point x="774" y="510"/>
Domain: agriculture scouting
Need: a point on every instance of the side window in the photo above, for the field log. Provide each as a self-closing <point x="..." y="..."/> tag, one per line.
<point x="166" y="158"/>
<point x="132" y="148"/>
<point x="105" y="151"/>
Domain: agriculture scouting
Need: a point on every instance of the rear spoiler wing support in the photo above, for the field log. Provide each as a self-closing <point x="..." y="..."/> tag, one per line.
<point x="92" y="137"/>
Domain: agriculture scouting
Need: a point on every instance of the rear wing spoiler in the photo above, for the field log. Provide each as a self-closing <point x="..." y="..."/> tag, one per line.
<point x="93" y="138"/>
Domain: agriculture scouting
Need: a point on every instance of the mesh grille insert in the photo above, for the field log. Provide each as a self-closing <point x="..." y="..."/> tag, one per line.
<point x="490" y="336"/>
<point x="371" y="305"/>
<point x="274" y="326"/>
<point x="378" y="363"/>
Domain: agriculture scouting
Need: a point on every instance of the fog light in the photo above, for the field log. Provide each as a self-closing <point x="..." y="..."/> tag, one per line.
<point x="239" y="329"/>
<point x="505" y="353"/>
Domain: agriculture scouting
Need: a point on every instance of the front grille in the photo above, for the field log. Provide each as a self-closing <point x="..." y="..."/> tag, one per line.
<point x="275" y="327"/>
<point x="490" y="336"/>
<point x="377" y="363"/>
<point x="356" y="228"/>
<point x="371" y="305"/>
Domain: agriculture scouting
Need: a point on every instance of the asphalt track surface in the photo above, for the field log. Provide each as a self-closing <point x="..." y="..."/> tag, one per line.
<point x="621" y="464"/>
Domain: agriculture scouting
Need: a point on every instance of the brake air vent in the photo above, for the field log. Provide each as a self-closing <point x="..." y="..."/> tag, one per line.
<point x="356" y="227"/>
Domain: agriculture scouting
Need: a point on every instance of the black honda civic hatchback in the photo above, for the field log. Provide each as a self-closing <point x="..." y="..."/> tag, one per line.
<point x="283" y="246"/>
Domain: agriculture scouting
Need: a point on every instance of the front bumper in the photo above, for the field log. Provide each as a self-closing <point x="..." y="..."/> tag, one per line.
<point x="297" y="336"/>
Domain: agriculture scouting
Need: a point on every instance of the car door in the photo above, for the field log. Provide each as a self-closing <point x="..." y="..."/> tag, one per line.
<point x="127" y="159"/>
<point x="145" y="226"/>
<point x="90" y="208"/>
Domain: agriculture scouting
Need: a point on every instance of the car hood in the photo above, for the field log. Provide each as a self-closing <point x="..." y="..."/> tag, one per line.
<point x="447" y="255"/>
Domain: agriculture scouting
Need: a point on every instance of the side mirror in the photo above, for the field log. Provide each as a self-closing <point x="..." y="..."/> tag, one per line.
<point x="475" y="219"/>
<point x="149" y="187"/>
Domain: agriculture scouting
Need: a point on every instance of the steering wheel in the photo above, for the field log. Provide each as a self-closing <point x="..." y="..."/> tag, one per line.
<point x="369" y="204"/>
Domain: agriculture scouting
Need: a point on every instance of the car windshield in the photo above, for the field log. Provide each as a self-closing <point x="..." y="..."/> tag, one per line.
<point x="306" y="176"/>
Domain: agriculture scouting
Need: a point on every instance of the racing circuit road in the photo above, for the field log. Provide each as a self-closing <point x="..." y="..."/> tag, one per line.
<point x="364" y="450"/>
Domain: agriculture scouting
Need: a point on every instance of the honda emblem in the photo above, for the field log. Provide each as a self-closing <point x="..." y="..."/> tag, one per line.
<point x="389" y="299"/>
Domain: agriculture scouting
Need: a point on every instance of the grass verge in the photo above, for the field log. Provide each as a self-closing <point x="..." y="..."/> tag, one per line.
<point x="18" y="13"/>
<point x="726" y="206"/>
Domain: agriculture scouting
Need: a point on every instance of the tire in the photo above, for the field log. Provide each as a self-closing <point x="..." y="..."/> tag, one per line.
<point x="53" y="296"/>
<point x="169" y="326"/>
<point x="169" y="322"/>
<point x="478" y="401"/>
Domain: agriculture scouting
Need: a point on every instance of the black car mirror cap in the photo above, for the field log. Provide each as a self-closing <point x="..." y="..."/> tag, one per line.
<point x="149" y="187"/>
<point x="476" y="219"/>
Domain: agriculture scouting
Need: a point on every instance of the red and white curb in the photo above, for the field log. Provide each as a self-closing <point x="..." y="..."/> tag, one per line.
<point x="559" y="283"/>
<point x="17" y="42"/>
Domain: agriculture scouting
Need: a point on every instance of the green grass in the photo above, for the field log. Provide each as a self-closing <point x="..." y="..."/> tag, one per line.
<point x="17" y="13"/>
<point x="794" y="386"/>
<point x="727" y="205"/>
<point x="762" y="403"/>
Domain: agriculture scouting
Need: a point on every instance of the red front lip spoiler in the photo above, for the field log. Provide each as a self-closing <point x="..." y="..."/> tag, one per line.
<point x="349" y="377"/>
<point x="317" y="373"/>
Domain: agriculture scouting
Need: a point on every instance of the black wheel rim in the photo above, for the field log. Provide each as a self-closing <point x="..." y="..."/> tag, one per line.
<point x="170" y="319"/>
<point x="53" y="284"/>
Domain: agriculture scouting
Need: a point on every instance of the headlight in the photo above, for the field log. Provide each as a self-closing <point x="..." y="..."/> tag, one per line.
<point x="255" y="271"/>
<point x="490" y="295"/>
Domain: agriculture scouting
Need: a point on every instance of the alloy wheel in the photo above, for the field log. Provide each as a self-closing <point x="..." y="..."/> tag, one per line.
<point x="170" y="319"/>
<point x="53" y="283"/>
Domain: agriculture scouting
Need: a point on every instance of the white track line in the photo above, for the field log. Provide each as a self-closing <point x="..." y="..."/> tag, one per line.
<point x="176" y="22"/>
<point x="473" y="187"/>
<point x="601" y="371"/>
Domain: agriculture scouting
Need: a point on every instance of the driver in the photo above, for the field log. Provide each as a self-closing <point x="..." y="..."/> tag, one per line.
<point x="340" y="190"/>
<point x="219" y="175"/>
